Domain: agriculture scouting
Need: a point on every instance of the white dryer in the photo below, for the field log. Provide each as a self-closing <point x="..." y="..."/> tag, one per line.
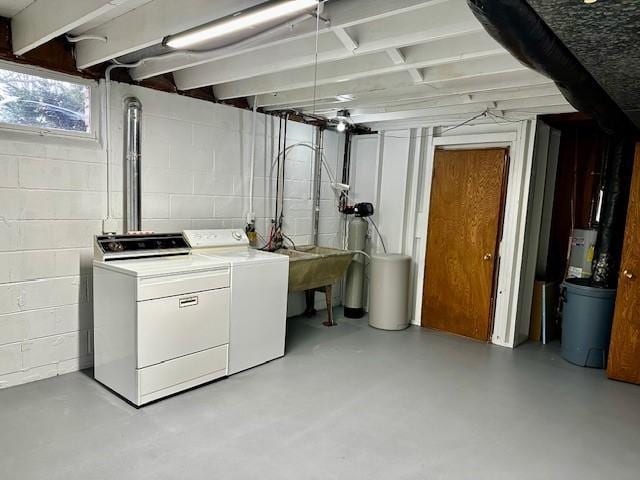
<point x="161" y="316"/>
<point x="259" y="283"/>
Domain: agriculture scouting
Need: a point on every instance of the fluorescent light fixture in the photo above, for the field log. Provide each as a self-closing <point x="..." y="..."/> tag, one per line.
<point x="240" y="21"/>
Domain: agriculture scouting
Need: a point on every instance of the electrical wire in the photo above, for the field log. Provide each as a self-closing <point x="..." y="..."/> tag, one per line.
<point x="267" y="246"/>
<point x="487" y="113"/>
<point x="461" y="124"/>
<point x="501" y="117"/>
<point x="483" y="114"/>
<point x="290" y="241"/>
<point x="80" y="38"/>
<point x="384" y="247"/>
<point x="311" y="147"/>
<point x="362" y="252"/>
<point x="261" y="237"/>
<point x="281" y="156"/>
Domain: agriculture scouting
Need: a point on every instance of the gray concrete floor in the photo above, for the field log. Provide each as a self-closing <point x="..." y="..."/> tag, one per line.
<point x="349" y="402"/>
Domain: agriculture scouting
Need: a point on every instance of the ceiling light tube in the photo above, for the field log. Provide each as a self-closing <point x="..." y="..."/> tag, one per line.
<point x="246" y="19"/>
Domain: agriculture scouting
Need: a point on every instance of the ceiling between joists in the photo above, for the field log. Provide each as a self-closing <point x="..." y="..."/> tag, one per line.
<point x="384" y="60"/>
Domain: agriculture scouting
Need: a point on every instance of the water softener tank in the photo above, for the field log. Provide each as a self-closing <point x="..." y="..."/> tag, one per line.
<point x="354" y="288"/>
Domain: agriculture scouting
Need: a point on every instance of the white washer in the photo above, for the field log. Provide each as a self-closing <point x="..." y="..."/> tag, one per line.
<point x="161" y="316"/>
<point x="259" y="283"/>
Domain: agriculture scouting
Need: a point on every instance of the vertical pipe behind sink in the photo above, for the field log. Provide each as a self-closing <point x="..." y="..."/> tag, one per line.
<point x="317" y="184"/>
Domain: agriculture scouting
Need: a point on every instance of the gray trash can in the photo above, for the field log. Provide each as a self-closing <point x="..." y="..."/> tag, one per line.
<point x="587" y="315"/>
<point x="389" y="291"/>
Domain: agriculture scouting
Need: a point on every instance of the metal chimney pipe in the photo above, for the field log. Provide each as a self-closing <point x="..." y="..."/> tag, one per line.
<point x="132" y="165"/>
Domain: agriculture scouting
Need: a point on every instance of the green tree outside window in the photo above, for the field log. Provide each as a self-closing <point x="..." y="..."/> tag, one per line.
<point x="42" y="102"/>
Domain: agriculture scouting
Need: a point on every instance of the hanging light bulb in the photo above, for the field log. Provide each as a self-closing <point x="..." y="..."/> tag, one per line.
<point x="343" y="119"/>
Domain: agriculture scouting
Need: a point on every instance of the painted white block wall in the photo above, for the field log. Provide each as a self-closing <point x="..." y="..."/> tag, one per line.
<point x="53" y="200"/>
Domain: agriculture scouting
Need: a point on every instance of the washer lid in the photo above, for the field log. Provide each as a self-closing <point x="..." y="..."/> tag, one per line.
<point x="243" y="256"/>
<point x="162" y="266"/>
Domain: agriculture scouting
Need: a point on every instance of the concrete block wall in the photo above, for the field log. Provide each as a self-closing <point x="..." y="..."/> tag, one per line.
<point x="53" y="200"/>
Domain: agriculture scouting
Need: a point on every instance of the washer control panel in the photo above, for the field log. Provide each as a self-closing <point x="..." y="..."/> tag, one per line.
<point x="216" y="238"/>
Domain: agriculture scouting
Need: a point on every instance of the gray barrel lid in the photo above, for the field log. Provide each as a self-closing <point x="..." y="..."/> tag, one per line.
<point x="584" y="286"/>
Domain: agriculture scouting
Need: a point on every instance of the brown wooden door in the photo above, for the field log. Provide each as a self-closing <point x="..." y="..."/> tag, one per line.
<point x="624" y="352"/>
<point x="465" y="224"/>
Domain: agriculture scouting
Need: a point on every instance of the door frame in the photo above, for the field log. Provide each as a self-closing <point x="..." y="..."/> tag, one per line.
<point x="510" y="302"/>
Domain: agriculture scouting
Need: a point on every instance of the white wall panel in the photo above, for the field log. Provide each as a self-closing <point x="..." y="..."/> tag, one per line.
<point x="364" y="168"/>
<point x="393" y="186"/>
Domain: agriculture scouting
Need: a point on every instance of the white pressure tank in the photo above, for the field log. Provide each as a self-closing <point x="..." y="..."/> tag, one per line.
<point x="389" y="291"/>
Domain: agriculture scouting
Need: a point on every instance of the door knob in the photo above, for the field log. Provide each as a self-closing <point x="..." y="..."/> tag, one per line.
<point x="628" y="274"/>
<point x="487" y="256"/>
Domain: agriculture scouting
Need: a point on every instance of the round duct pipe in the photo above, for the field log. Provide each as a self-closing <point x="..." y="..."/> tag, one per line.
<point x="132" y="165"/>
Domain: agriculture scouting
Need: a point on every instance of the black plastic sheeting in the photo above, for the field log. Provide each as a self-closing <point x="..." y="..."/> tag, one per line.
<point x="518" y="28"/>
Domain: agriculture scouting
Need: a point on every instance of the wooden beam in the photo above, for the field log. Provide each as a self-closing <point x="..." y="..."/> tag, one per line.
<point x="496" y="98"/>
<point x="396" y="56"/>
<point x="398" y="85"/>
<point x="480" y="95"/>
<point x="150" y="23"/>
<point x="434" y="79"/>
<point x="349" y="43"/>
<point x="343" y="14"/>
<point x="42" y="21"/>
<point x="330" y="48"/>
<point x="514" y="105"/>
<point x="451" y="119"/>
<point x="448" y="51"/>
<point x="416" y="75"/>
<point x="445" y="20"/>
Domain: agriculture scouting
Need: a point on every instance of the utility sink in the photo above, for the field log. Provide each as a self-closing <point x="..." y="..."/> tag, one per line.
<point x="312" y="267"/>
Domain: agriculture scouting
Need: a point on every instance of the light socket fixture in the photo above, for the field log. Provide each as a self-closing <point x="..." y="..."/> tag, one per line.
<point x="344" y="120"/>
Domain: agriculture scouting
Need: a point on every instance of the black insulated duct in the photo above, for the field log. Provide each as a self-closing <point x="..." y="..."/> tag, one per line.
<point x="613" y="215"/>
<point x="519" y="29"/>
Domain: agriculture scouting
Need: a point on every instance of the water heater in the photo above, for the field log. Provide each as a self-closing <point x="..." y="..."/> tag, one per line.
<point x="583" y="244"/>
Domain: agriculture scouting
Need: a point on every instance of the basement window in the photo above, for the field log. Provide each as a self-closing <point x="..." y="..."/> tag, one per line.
<point x="56" y="104"/>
